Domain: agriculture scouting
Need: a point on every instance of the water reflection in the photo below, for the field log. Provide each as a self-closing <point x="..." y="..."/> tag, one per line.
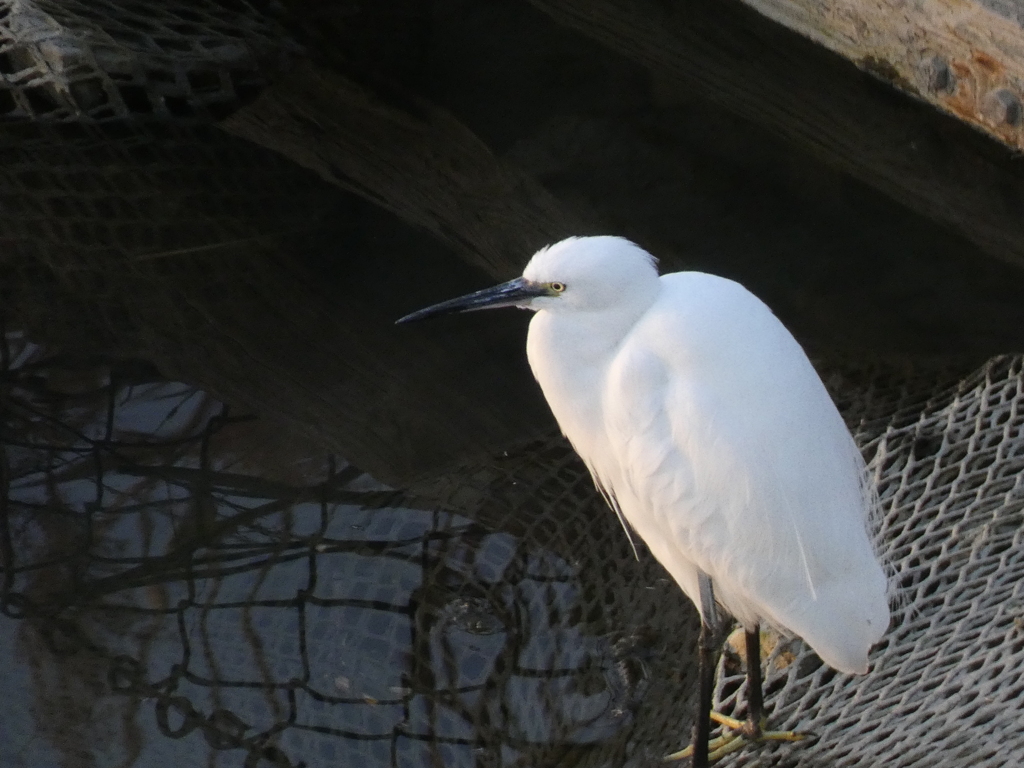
<point x="180" y="586"/>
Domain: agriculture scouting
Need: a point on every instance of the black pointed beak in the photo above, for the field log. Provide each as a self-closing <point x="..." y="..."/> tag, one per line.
<point x="510" y="294"/>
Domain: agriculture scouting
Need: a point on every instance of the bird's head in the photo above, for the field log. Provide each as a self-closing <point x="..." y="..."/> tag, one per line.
<point x="579" y="274"/>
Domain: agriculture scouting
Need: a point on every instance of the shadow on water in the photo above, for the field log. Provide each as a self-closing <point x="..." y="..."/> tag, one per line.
<point x="183" y="586"/>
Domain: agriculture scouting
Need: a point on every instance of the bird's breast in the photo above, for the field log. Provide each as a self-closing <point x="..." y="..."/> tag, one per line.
<point x="571" y="370"/>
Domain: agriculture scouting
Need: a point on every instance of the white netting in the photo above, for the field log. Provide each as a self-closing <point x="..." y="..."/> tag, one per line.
<point x="946" y="683"/>
<point x="174" y="60"/>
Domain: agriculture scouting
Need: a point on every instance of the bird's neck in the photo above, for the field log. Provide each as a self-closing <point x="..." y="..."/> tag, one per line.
<point x="575" y="340"/>
<point x="569" y="354"/>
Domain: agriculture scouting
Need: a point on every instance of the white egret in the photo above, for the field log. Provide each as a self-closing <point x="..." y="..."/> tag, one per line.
<point x="712" y="437"/>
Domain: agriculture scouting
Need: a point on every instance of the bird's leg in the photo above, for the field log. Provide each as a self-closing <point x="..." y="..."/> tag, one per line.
<point x="739" y="733"/>
<point x="755" y="689"/>
<point x="706" y="671"/>
<point x="736" y="733"/>
<point x="706" y="647"/>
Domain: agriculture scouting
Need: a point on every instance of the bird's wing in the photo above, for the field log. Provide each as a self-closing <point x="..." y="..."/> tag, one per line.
<point x="649" y="471"/>
<point x="608" y="494"/>
<point x="725" y="450"/>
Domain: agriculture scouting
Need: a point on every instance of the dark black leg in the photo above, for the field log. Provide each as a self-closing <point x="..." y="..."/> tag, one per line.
<point x="706" y="671"/>
<point x="737" y="733"/>
<point x="755" y="691"/>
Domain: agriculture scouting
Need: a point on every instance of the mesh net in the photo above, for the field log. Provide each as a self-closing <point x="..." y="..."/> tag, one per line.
<point x="945" y="685"/>
<point x="94" y="60"/>
<point x="179" y="591"/>
<point x="170" y="597"/>
<point x="179" y="588"/>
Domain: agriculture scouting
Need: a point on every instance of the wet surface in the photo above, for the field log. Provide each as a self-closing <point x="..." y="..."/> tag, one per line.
<point x="182" y="589"/>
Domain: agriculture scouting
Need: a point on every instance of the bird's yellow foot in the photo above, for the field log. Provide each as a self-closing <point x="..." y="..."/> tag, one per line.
<point x="735" y="735"/>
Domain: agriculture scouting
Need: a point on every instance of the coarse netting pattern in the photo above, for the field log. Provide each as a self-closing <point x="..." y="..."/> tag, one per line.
<point x="95" y="60"/>
<point x="946" y="682"/>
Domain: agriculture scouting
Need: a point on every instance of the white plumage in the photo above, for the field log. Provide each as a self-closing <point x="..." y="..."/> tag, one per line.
<point x="711" y="435"/>
<point x="703" y="421"/>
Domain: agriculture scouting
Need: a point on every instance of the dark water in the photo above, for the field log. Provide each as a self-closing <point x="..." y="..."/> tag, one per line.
<point x="181" y="588"/>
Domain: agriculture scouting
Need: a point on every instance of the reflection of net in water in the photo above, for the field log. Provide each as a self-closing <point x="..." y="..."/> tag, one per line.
<point x="294" y="622"/>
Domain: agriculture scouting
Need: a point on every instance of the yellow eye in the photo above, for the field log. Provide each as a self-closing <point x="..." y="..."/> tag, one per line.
<point x="558" y="287"/>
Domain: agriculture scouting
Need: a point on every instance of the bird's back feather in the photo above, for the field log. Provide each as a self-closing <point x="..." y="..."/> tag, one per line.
<point x="726" y="454"/>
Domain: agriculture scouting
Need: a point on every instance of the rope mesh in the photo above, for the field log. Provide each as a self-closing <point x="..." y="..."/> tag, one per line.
<point x="945" y="685"/>
<point x="96" y="60"/>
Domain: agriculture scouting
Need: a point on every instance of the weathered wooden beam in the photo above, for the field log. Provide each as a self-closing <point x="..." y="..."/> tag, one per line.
<point x="962" y="57"/>
<point x="729" y="54"/>
<point x="413" y="159"/>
